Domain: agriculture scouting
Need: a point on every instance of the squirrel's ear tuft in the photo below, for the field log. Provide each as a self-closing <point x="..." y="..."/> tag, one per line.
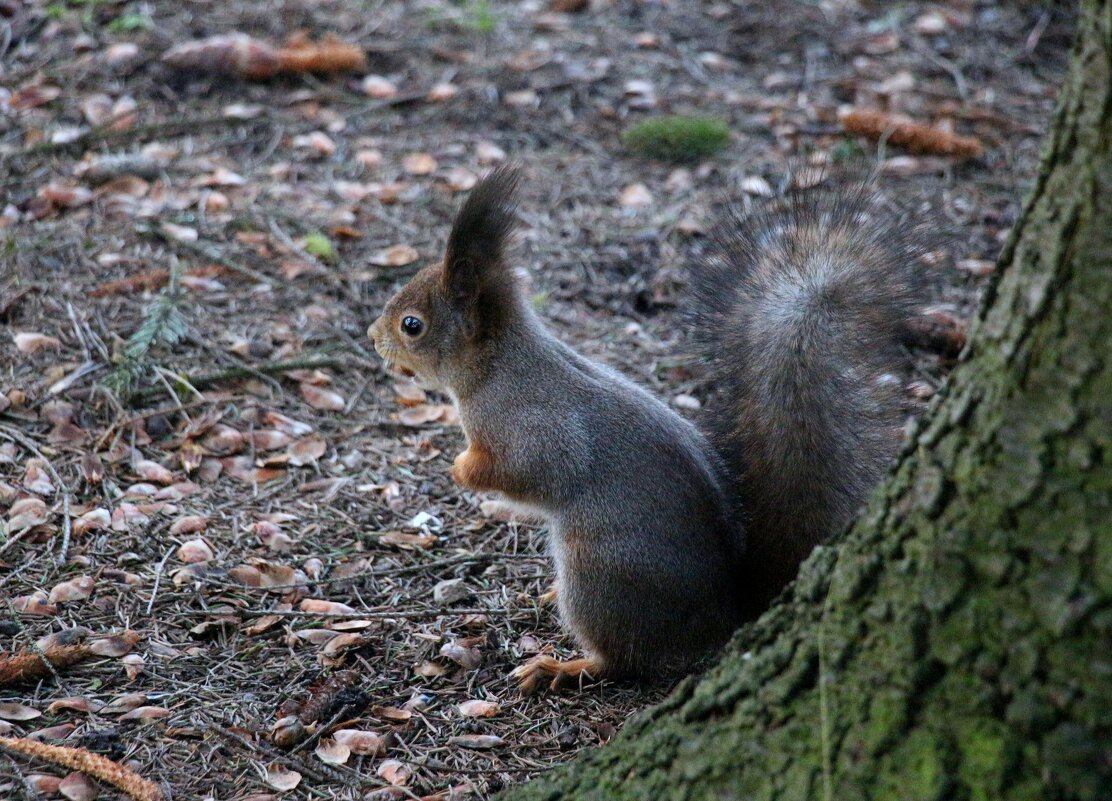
<point x="474" y="264"/>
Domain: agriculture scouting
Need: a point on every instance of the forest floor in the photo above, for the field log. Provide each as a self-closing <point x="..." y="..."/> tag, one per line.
<point x="242" y="540"/>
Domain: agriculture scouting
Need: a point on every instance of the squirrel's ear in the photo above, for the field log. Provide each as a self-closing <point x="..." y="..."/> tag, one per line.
<point x="476" y="276"/>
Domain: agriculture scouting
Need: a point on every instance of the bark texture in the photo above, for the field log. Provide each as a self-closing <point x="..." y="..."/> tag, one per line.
<point x="955" y="644"/>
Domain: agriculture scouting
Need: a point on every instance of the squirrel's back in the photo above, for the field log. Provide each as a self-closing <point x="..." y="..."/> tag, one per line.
<point x="799" y="309"/>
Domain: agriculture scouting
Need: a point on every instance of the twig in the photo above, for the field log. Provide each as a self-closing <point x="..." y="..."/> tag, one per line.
<point x="376" y="614"/>
<point x="233" y="373"/>
<point x="450" y="561"/>
<point x="27" y="786"/>
<point x="67" y="525"/>
<point x="34" y="646"/>
<point x="320" y="774"/>
<point x="105" y="135"/>
<point x="213" y="254"/>
<point x="158" y="579"/>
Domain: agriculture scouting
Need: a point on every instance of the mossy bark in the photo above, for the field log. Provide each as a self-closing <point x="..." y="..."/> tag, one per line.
<point x="955" y="644"/>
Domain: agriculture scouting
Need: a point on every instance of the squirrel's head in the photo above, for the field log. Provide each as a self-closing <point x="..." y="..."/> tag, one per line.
<point x="435" y="325"/>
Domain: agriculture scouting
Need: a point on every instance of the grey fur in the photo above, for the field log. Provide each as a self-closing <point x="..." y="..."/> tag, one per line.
<point x="799" y="309"/>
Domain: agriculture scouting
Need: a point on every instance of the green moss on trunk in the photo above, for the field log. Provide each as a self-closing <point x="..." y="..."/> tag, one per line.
<point x="954" y="644"/>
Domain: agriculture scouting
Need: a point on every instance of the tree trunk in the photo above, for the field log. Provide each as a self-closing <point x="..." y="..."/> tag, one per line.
<point x="957" y="642"/>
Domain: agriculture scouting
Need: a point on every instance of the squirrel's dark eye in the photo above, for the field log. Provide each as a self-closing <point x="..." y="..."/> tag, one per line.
<point x="412" y="326"/>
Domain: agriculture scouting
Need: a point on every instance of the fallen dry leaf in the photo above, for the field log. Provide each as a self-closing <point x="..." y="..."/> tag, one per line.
<point x="395" y="256"/>
<point x="124" y="703"/>
<point x="489" y="153"/>
<point x="320" y="398"/>
<point x="331" y="752"/>
<point x="145" y="713"/>
<point x="13" y="710"/>
<point x="116" y="645"/>
<point x="306" y="450"/>
<point x="442" y="91"/>
<point x="378" y="87"/>
<point x="636" y="196"/>
<point x="460" y="179"/>
<point x="392" y="713"/>
<point x="190" y="524"/>
<point x="395" y="772"/>
<point x="409" y="394"/>
<point x="242" y="468"/>
<point x="78" y="787"/>
<point x="133" y="665"/>
<point x="72" y="704"/>
<point x="36" y="478"/>
<point x="269" y="439"/>
<point x="477" y="742"/>
<point x="195" y="550"/>
<point x="407" y="541"/>
<point x="76" y="589"/>
<point x="467" y="657"/>
<point x="479" y="709"/>
<point x="419" y="164"/>
<point x="365" y="743"/>
<point x="43" y="783"/>
<point x="287" y="425"/>
<point x="317" y="605"/>
<point x="282" y="778"/>
<point x="34" y="604"/>
<point x="59" y="732"/>
<point x="26" y="513"/>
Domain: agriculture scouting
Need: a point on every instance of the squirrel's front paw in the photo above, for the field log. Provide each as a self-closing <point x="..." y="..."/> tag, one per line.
<point x="473" y="469"/>
<point x="541" y="670"/>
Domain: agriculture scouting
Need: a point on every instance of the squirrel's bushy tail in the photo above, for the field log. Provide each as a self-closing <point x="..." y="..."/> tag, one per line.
<point x="799" y="308"/>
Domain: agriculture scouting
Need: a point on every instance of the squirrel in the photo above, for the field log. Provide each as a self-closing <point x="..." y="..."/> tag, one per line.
<point x="665" y="537"/>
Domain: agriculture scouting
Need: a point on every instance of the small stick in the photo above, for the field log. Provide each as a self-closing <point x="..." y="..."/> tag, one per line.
<point x="379" y="615"/>
<point x="232" y="373"/>
<point x="106" y="135"/>
<point x="158" y="579"/>
<point x="34" y="645"/>
<point x="212" y="254"/>
<point x="461" y="559"/>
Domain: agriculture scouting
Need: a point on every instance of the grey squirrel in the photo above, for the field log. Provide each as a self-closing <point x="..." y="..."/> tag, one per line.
<point x="664" y="538"/>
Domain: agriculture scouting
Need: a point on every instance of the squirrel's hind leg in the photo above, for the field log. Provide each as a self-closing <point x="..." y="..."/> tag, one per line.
<point x="545" y="669"/>
<point x="549" y="597"/>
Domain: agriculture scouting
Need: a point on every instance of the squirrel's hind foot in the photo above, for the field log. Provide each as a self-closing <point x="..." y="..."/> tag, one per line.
<point x="540" y="670"/>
